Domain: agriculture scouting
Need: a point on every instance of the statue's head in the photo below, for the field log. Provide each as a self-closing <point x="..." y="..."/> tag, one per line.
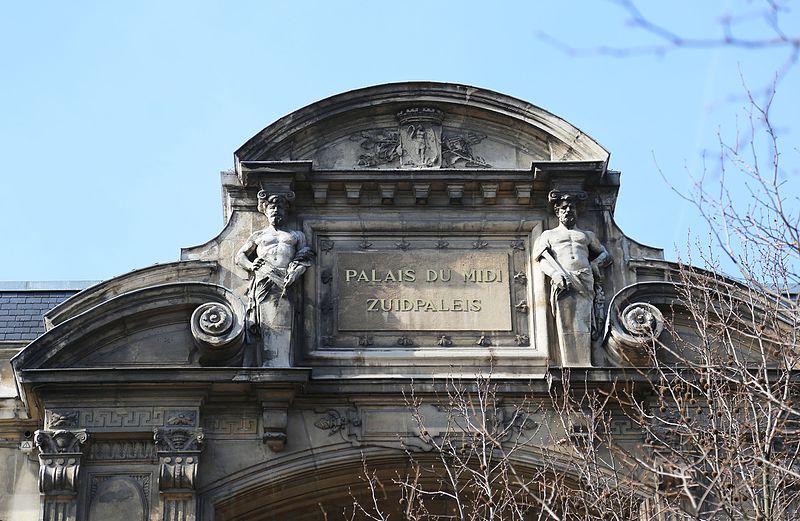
<point x="565" y="206"/>
<point x="274" y="206"/>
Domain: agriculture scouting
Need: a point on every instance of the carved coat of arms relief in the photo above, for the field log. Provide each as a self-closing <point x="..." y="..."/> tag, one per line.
<point x="419" y="142"/>
<point x="420" y="137"/>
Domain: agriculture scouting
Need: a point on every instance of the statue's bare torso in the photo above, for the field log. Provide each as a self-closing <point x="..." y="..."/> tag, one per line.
<point x="572" y="247"/>
<point x="276" y="247"/>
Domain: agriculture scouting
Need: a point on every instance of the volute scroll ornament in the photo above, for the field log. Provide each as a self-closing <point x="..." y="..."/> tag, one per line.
<point x="642" y="320"/>
<point x="218" y="332"/>
<point x="632" y="333"/>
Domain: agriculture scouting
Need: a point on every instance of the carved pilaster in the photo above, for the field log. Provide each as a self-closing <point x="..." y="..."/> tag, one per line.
<point x="178" y="454"/>
<point x="60" y="454"/>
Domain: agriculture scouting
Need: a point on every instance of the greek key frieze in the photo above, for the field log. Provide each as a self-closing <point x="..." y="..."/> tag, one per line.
<point x="230" y="426"/>
<point x="113" y="419"/>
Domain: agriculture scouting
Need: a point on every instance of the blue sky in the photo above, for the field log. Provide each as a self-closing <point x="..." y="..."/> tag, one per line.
<point x="116" y="118"/>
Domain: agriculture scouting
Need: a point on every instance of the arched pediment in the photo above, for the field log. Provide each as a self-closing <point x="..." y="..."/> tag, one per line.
<point x="370" y="128"/>
<point x="663" y="317"/>
<point x="143" y="327"/>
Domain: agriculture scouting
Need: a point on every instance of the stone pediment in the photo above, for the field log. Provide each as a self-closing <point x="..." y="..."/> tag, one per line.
<point x="420" y="125"/>
<point x="148" y="326"/>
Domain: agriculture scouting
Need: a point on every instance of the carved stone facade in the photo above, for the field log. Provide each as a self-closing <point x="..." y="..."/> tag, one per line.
<point x="390" y="237"/>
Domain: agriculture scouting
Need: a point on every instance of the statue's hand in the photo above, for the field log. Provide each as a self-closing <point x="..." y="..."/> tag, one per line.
<point x="563" y="283"/>
<point x="598" y="274"/>
<point x="257" y="264"/>
<point x="291" y="277"/>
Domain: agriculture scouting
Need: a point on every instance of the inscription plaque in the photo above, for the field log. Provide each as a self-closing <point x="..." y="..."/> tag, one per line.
<point x="423" y="291"/>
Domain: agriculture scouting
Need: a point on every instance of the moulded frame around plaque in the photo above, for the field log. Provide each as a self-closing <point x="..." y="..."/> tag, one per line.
<point x="332" y="337"/>
<point x="332" y="356"/>
<point x="426" y="291"/>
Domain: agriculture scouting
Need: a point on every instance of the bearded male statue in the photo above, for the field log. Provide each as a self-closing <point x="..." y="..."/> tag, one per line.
<point x="275" y="258"/>
<point x="573" y="260"/>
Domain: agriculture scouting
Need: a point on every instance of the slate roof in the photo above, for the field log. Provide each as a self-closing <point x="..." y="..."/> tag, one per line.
<point x="22" y="309"/>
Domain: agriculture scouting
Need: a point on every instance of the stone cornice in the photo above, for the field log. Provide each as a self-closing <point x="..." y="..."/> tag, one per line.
<point x="170" y="376"/>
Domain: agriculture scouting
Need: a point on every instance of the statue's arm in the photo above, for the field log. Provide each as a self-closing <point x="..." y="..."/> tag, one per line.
<point x="539" y="247"/>
<point x="601" y="256"/>
<point x="242" y="256"/>
<point x="302" y="260"/>
<point x="548" y="269"/>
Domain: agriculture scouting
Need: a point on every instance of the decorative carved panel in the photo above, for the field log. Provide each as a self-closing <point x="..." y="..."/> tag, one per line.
<point x="115" y="496"/>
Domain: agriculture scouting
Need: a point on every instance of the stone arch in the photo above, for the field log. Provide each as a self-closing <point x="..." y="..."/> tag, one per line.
<point x="315" y="487"/>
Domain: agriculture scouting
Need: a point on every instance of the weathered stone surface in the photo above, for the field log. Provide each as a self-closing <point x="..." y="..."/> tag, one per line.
<point x="447" y="182"/>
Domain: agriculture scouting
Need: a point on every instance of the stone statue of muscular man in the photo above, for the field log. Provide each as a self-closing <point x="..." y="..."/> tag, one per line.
<point x="275" y="258"/>
<point x="573" y="260"/>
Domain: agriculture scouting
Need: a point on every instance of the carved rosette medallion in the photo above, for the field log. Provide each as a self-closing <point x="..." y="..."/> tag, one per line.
<point x="215" y="319"/>
<point x="420" y="137"/>
<point x="60" y="454"/>
<point x="643" y="320"/>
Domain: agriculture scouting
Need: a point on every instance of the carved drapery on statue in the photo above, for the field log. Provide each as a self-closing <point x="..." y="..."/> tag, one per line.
<point x="573" y="260"/>
<point x="275" y="258"/>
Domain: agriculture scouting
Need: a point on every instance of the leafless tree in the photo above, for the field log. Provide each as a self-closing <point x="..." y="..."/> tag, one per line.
<point x="747" y="27"/>
<point x="709" y="427"/>
<point x="462" y="461"/>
